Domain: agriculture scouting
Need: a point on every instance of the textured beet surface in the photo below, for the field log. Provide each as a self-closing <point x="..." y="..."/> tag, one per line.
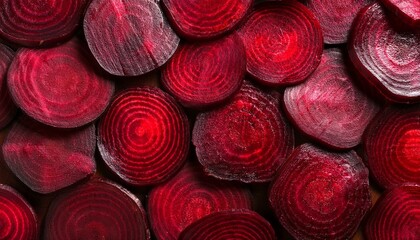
<point x="234" y="224"/>
<point x="396" y="215"/>
<point x="246" y="140"/>
<point x="283" y="42"/>
<point x="328" y="106"/>
<point x="204" y="74"/>
<point x="321" y="195"/>
<point x="129" y="37"/>
<point x="144" y="136"/>
<point x="188" y="197"/>
<point x="385" y="55"/>
<point x="96" y="210"/>
<point x="8" y="108"/>
<point x="406" y="10"/>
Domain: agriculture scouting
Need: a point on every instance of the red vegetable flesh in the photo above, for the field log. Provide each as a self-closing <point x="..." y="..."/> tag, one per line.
<point x="283" y="42"/>
<point x="59" y="86"/>
<point x="328" y="106"/>
<point x="203" y="74"/>
<point x="234" y="224"/>
<point x="321" y="195"/>
<point x="39" y="23"/>
<point x="144" y="136"/>
<point x="387" y="57"/>
<point x="193" y="196"/>
<point x="406" y="10"/>
<point x="8" y="108"/>
<point x="96" y="210"/>
<point x="130" y="37"/>
<point x="205" y="19"/>
<point x="246" y="140"/>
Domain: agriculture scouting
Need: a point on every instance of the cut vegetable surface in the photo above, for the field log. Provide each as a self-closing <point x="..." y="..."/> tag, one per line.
<point x="406" y="10"/>
<point x="7" y="107"/>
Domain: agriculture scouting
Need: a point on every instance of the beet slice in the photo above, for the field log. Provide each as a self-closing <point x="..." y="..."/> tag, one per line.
<point x="193" y="196"/>
<point x="204" y="74"/>
<point x="396" y="215"/>
<point x="328" y="106"/>
<point x="59" y="86"/>
<point x="8" y="108"/>
<point x="144" y="136"/>
<point x="17" y="219"/>
<point x="283" y="42"/>
<point x="234" y="224"/>
<point x="387" y="57"/>
<point x="96" y="210"/>
<point x="321" y="195"/>
<point x="130" y="37"/>
<point x="406" y="10"/>
<point x="245" y="140"/>
<point x="205" y="19"/>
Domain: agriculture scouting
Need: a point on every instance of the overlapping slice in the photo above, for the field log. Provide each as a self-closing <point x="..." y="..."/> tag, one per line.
<point x="8" y="108"/>
<point x="406" y="10"/>
<point x="192" y="196"/>
<point x="130" y="37"/>
<point x="144" y="136"/>
<point x="283" y="42"/>
<point x="387" y="56"/>
<point x="246" y="139"/>
<point x="321" y="195"/>
<point x="204" y="74"/>
<point x="96" y="210"/>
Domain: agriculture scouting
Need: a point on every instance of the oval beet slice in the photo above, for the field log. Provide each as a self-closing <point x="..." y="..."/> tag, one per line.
<point x="40" y="23"/>
<point x="204" y="74"/>
<point x="8" y="108"/>
<point x="245" y="140"/>
<point x="283" y="42"/>
<point x="59" y="86"/>
<point x="130" y="37"/>
<point x="328" y="106"/>
<point x="205" y="19"/>
<point x="47" y="159"/>
<point x="96" y="210"/>
<point x="144" y="136"/>
<point x="406" y="10"/>
<point x="387" y="57"/>
<point x="321" y="195"/>
<point x="193" y="196"/>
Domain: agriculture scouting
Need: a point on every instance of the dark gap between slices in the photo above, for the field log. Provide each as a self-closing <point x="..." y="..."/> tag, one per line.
<point x="8" y="108"/>
<point x="406" y="10"/>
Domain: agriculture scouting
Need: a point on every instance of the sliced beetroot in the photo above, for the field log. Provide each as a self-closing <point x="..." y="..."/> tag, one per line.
<point x="283" y="42"/>
<point x="328" y="106"/>
<point x="130" y="37"/>
<point x="59" y="86"/>
<point x="40" y="23"/>
<point x="8" y="108"/>
<point x="144" y="136"/>
<point x="246" y="139"/>
<point x="204" y="74"/>
<point x="205" y="19"/>
<point x="17" y="219"/>
<point x="192" y="196"/>
<point x="321" y="195"/>
<point x="96" y="210"/>
<point x="387" y="57"/>
<point x="406" y="10"/>
<point x="47" y="159"/>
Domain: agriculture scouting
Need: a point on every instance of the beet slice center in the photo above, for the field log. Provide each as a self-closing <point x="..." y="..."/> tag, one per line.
<point x="8" y="108"/>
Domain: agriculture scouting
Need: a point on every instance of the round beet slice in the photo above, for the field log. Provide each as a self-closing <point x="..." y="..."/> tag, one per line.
<point x="8" y="108"/>
<point x="47" y="159"/>
<point x="387" y="57"/>
<point x="59" y="86"/>
<point x="205" y="19"/>
<point x="406" y="10"/>
<point x="396" y="215"/>
<point x="204" y="74"/>
<point x="328" y="106"/>
<point x="283" y="42"/>
<point x="40" y="23"/>
<point x="17" y="219"/>
<point x="130" y="37"/>
<point x="392" y="146"/>
<point x="321" y="195"/>
<point x="144" y="136"/>
<point x="96" y="210"/>
<point x="193" y="196"/>
<point x="246" y="140"/>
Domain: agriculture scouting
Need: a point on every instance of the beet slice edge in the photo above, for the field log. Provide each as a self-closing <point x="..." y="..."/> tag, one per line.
<point x="406" y="10"/>
<point x="8" y="108"/>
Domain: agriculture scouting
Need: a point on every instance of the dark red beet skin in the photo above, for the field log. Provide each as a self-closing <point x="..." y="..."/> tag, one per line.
<point x="188" y="197"/>
<point x="130" y="37"/>
<point x="8" y="108"/>
<point x="144" y="136"/>
<point x="406" y="10"/>
<point x="321" y="195"/>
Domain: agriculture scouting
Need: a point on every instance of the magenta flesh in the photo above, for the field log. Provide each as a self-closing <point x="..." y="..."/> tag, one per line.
<point x="8" y="108"/>
<point x="406" y="10"/>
